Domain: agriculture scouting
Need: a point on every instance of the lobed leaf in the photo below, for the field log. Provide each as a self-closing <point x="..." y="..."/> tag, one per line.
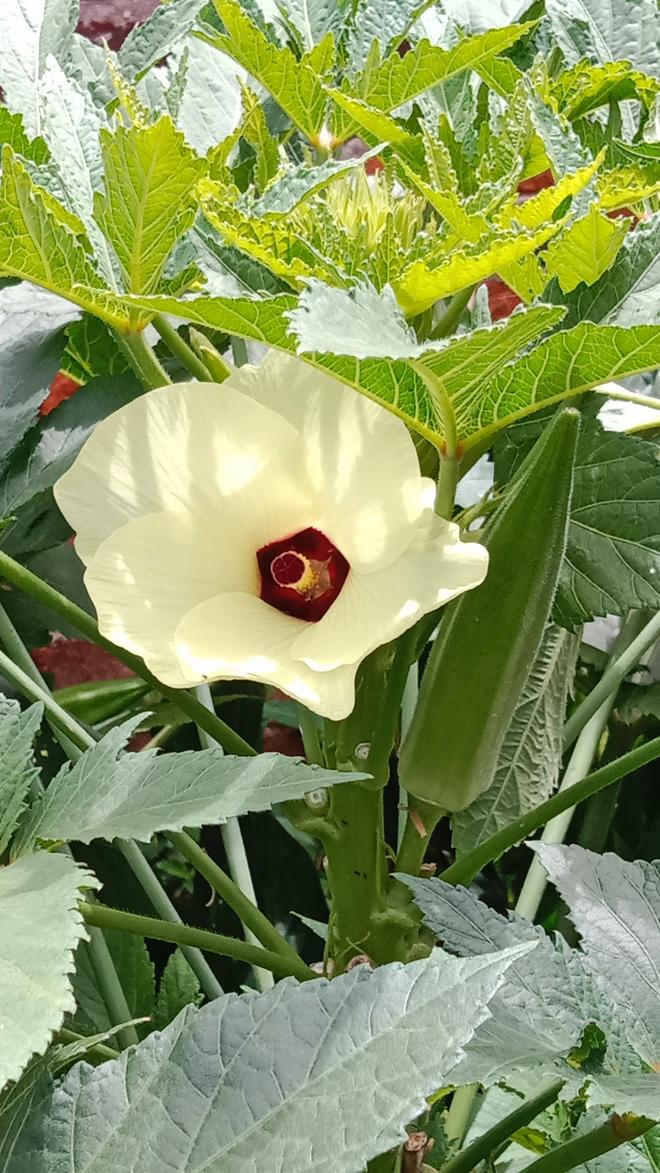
<point x="17" y="770"/>
<point x="585" y="250"/>
<point x="365" y="1049"/>
<point x="628" y="294"/>
<point x="108" y="794"/>
<point x="150" y="42"/>
<point x="31" y="30"/>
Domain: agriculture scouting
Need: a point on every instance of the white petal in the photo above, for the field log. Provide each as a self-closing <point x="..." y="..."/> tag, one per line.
<point x="375" y="608"/>
<point x="238" y="636"/>
<point x="147" y="575"/>
<point x="360" y="457"/>
<point x="192" y="446"/>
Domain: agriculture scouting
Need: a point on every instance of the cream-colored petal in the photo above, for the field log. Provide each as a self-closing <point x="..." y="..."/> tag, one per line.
<point x="197" y="447"/>
<point x="360" y="457"/>
<point x="375" y="608"/>
<point x="147" y="575"/>
<point x="237" y="636"/>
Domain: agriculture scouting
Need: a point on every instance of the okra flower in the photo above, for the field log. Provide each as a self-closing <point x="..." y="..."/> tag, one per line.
<point x="275" y="527"/>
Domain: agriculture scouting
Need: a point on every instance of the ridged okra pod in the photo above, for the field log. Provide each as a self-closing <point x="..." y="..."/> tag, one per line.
<point x="489" y="637"/>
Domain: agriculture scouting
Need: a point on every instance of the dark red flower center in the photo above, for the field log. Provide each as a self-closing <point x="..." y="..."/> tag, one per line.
<point x="302" y="575"/>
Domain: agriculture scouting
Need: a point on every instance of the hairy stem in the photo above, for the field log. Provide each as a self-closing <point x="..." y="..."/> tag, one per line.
<point x="447" y="323"/>
<point x="142" y="359"/>
<point x="188" y="704"/>
<point x="616" y="1131"/>
<point x="180" y="348"/>
<point x="484" y="1145"/>
<point x="146" y="926"/>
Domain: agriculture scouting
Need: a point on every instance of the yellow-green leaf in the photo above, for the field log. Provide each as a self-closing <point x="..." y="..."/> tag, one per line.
<point x="544" y="205"/>
<point x="585" y="250"/>
<point x="149" y="202"/>
<point x="628" y="185"/>
<point x="295" y="85"/>
<point x="43" y="243"/>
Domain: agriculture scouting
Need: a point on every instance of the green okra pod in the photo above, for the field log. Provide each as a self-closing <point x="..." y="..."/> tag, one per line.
<point x="489" y="637"/>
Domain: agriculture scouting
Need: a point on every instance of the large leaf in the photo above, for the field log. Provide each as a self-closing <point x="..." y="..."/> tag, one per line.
<point x="629" y="293"/>
<point x="295" y="85"/>
<point x="612" y="560"/>
<point x="586" y="250"/>
<point x="568" y="363"/>
<point x="609" y="32"/>
<point x="364" y="1049"/>
<point x="161" y="32"/>
<point x="17" y="769"/>
<point x="312" y="19"/>
<point x="30" y="30"/>
<point x="531" y="753"/>
<point x="43" y="243"/>
<point x="385" y="21"/>
<point x="32" y="344"/>
<point x="50" y="448"/>
<point x="615" y="907"/>
<point x="548" y="1000"/>
<point x="40" y="927"/>
<point x="148" y="205"/>
<point x="107" y="794"/>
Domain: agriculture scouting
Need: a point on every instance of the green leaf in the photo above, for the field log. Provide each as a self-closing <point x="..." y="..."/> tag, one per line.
<point x="92" y="351"/>
<point x="210" y="106"/>
<point x="32" y="343"/>
<point x="71" y="125"/>
<point x="43" y="243"/>
<point x="585" y="87"/>
<point x="40" y="927"/>
<point x="388" y="84"/>
<point x="313" y="19"/>
<point x="178" y="988"/>
<point x="150" y="176"/>
<point x="568" y="363"/>
<point x="136" y="973"/>
<point x="612" y="560"/>
<point x="254" y="129"/>
<point x="295" y="85"/>
<point x="530" y="757"/>
<point x="385" y="21"/>
<point x="611" y="33"/>
<point x="585" y="250"/>
<point x="360" y="322"/>
<point x="29" y="33"/>
<point x="629" y="293"/>
<point x="108" y="794"/>
<point x="50" y="448"/>
<point x="12" y="132"/>
<point x="270" y="240"/>
<point x="395" y="1032"/>
<point x="150" y="42"/>
<point x="300" y="182"/>
<point x="17" y="770"/>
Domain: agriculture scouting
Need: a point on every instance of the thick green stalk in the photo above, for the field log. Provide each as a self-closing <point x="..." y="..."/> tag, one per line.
<point x="110" y="987"/>
<point x="423" y="818"/>
<point x="489" y="1141"/>
<point x="466" y="868"/>
<point x="142" y="359"/>
<point x="248" y="912"/>
<point x="357" y="873"/>
<point x="613" y="676"/>
<point x="616" y="1131"/>
<point x="179" y="347"/>
<point x="59" y="717"/>
<point x="232" y="839"/>
<point x="449" y="320"/>
<point x="188" y="704"/>
<point x="147" y="926"/>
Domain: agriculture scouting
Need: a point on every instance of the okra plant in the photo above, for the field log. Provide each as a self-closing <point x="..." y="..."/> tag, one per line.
<point x="329" y="448"/>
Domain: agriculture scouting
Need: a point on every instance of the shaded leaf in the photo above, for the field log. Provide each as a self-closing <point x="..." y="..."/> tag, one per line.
<point x="312" y="19"/>
<point x="531" y="753"/>
<point x="40" y="927"/>
<point x="629" y="293"/>
<point x="178" y="988"/>
<point x="210" y="105"/>
<point x="17" y="770"/>
<point x="241" y="1072"/>
<point x="91" y="351"/>
<point x="136" y="973"/>
<point x="130" y="796"/>
<point x="612" y="34"/>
